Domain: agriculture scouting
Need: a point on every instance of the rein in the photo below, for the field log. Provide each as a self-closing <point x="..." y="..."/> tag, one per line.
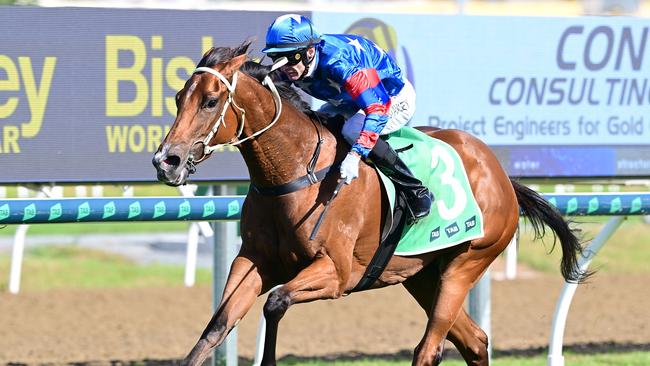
<point x="207" y="148"/>
<point x="310" y="178"/>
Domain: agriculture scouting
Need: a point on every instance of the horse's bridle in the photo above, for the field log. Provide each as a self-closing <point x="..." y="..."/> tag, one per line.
<point x="312" y="176"/>
<point x="207" y="149"/>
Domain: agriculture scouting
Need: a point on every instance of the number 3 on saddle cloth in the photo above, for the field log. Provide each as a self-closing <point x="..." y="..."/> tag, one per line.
<point x="455" y="216"/>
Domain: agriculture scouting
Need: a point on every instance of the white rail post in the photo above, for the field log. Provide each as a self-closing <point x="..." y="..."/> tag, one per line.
<point x="259" y="341"/>
<point x="18" y="250"/>
<point x="22" y="192"/>
<point x="80" y="191"/>
<point x="555" y="357"/>
<point x="261" y="334"/>
<point x="193" y="234"/>
<point x="17" y="258"/>
<point x="191" y="254"/>
<point x="510" y="270"/>
<point x="480" y="307"/>
<point x="225" y="250"/>
<point x="97" y="191"/>
<point x="128" y="191"/>
<point x="56" y="192"/>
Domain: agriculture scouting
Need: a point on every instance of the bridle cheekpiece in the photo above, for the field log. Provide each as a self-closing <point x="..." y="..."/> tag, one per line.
<point x="207" y="148"/>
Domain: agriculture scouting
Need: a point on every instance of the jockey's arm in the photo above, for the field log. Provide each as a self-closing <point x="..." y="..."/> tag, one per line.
<point x="368" y="92"/>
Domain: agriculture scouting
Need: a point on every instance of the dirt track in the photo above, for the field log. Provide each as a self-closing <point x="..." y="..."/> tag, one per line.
<point x="162" y="324"/>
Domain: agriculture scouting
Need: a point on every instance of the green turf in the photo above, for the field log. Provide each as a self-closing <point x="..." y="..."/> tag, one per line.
<point x="98" y="228"/>
<point x="52" y="267"/>
<point x="609" y="359"/>
<point x="625" y="252"/>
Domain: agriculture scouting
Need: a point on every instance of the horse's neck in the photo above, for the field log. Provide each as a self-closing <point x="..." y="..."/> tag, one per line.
<point x="281" y="153"/>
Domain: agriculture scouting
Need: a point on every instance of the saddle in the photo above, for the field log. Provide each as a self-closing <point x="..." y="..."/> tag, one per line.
<point x="455" y="217"/>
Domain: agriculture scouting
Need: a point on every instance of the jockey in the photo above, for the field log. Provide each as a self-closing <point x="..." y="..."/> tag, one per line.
<point x="360" y="81"/>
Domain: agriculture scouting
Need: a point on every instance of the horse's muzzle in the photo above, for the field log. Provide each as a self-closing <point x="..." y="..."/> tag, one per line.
<point x="170" y="168"/>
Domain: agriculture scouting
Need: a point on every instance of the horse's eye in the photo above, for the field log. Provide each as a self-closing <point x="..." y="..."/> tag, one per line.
<point x="211" y="103"/>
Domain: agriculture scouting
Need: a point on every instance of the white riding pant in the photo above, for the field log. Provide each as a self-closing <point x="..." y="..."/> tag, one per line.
<point x="402" y="109"/>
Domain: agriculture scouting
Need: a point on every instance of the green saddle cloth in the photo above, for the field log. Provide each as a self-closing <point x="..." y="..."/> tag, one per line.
<point x="455" y="216"/>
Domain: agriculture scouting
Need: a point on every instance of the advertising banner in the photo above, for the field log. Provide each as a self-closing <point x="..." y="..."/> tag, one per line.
<point x="552" y="96"/>
<point x="87" y="95"/>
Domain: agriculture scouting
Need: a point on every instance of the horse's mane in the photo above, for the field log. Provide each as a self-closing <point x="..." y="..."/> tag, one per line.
<point x="216" y="55"/>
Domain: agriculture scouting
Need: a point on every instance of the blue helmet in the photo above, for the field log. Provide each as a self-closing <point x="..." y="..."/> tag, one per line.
<point x="290" y="32"/>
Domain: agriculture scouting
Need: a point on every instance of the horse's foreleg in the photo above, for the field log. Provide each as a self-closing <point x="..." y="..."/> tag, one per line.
<point x="318" y="281"/>
<point x="243" y="286"/>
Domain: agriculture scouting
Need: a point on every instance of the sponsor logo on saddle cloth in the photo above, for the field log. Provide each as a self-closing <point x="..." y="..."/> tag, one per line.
<point x="455" y="216"/>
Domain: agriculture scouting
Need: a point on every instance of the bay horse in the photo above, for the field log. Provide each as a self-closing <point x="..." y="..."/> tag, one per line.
<point x="225" y="102"/>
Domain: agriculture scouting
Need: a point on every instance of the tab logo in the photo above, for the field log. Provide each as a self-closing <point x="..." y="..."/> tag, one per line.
<point x="470" y="223"/>
<point x="452" y="230"/>
<point x="435" y="234"/>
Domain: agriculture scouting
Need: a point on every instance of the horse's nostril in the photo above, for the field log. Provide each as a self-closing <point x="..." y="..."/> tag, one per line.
<point x="172" y="160"/>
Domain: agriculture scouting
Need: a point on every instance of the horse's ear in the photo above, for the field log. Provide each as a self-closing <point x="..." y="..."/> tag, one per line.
<point x="236" y="62"/>
<point x="207" y="52"/>
<point x="243" y="48"/>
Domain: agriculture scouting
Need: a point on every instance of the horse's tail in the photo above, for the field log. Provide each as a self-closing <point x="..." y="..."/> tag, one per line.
<point x="541" y="213"/>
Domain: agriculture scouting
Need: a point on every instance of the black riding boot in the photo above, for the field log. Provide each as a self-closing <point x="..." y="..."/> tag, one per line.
<point x="418" y="197"/>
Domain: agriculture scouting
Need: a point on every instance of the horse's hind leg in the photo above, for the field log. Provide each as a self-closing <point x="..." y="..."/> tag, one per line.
<point x="424" y="287"/>
<point x="466" y="335"/>
<point x="460" y="269"/>
<point x="470" y="340"/>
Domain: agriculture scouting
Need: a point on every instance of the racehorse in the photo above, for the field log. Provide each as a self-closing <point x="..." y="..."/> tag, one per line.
<point x="225" y="102"/>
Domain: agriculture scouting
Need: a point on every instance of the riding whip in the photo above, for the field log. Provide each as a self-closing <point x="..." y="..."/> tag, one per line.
<point x="327" y="206"/>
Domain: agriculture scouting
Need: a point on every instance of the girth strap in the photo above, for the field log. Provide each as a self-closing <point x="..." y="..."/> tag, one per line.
<point x="386" y="248"/>
<point x="296" y="185"/>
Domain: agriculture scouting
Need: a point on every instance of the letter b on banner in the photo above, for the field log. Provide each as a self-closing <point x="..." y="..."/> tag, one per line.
<point x="133" y="74"/>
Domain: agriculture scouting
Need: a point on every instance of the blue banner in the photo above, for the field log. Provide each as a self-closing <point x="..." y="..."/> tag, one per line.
<point x="552" y="96"/>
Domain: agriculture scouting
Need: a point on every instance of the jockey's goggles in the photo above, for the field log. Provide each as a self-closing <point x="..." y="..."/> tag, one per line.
<point x="293" y="57"/>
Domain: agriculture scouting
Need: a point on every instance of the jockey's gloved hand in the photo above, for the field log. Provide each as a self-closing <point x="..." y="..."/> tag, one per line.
<point x="350" y="167"/>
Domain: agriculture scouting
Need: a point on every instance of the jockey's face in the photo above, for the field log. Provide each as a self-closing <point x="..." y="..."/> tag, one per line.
<point x="294" y="72"/>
